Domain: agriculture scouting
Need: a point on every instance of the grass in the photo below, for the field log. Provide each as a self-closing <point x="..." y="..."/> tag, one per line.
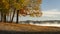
<point x="27" y="28"/>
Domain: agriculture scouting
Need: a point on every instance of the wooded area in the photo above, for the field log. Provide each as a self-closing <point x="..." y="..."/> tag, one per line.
<point x="20" y="8"/>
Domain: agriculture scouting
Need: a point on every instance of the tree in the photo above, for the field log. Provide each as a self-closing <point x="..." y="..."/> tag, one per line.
<point x="12" y="6"/>
<point x="4" y="9"/>
<point x="34" y="9"/>
<point x="22" y="7"/>
<point x="18" y="5"/>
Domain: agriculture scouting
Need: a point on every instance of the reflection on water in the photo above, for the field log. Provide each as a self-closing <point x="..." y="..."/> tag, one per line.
<point x="55" y="23"/>
<point x="47" y="24"/>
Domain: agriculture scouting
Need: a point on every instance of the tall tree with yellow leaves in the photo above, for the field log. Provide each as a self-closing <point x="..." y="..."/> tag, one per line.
<point x="17" y="5"/>
<point x="4" y="9"/>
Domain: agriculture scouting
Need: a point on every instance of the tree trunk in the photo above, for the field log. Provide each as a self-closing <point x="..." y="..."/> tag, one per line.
<point x="1" y="16"/>
<point x="4" y="17"/>
<point x="10" y="18"/>
<point x="13" y="15"/>
<point x="17" y="17"/>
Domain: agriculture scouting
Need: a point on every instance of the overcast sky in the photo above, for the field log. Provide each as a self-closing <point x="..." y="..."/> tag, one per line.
<point x="50" y="10"/>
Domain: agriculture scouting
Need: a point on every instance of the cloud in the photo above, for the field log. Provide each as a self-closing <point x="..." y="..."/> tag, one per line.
<point x="51" y="13"/>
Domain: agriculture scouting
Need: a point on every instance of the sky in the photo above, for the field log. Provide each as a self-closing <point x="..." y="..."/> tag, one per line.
<point x="50" y="10"/>
<point x="50" y="4"/>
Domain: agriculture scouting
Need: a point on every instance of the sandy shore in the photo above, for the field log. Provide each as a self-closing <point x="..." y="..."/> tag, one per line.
<point x="27" y="28"/>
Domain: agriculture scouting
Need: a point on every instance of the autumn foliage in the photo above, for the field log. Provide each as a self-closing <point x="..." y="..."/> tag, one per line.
<point x="22" y="7"/>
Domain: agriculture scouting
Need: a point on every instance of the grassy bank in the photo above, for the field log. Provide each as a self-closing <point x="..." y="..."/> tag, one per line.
<point x="27" y="28"/>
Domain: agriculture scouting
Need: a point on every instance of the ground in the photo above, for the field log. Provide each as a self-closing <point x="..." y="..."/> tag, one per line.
<point x="27" y="28"/>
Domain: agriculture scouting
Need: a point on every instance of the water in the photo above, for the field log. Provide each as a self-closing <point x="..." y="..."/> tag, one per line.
<point x="47" y="24"/>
